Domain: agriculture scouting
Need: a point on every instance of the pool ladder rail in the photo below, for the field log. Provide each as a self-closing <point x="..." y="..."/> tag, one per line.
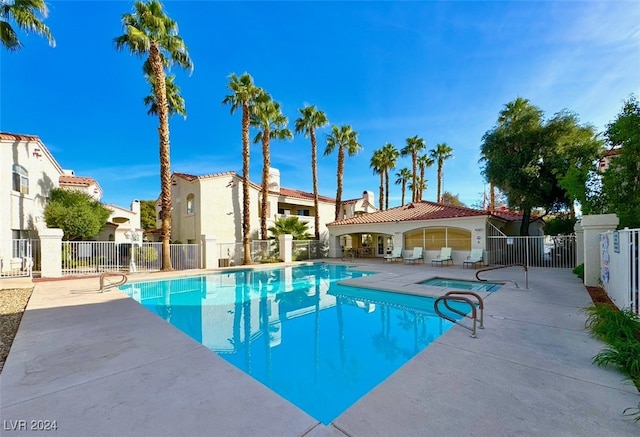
<point x="106" y="284"/>
<point x="524" y="267"/>
<point x="462" y="296"/>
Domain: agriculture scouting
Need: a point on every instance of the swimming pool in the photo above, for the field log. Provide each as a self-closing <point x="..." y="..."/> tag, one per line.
<point x="318" y="344"/>
<point x="461" y="284"/>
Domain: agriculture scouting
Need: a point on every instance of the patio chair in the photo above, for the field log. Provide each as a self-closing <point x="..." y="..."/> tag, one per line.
<point x="444" y="257"/>
<point x="396" y="255"/>
<point x="415" y="256"/>
<point x="473" y="259"/>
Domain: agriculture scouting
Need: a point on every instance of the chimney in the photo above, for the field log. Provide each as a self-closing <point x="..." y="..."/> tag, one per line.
<point x="368" y="196"/>
<point x="274" y="180"/>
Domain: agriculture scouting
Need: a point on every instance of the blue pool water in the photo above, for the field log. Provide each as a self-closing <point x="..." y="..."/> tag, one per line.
<point x="318" y="344"/>
<point x="460" y="284"/>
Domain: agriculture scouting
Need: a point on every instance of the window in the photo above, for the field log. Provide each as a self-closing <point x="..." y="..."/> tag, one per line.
<point x="191" y="207"/>
<point x="304" y="212"/>
<point x="20" y="179"/>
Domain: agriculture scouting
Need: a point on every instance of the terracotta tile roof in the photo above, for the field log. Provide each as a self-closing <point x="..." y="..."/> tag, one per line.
<point x="289" y="192"/>
<point x="76" y="180"/>
<point x="18" y="137"/>
<point x="612" y="152"/>
<point x="414" y="211"/>
<point x="191" y="177"/>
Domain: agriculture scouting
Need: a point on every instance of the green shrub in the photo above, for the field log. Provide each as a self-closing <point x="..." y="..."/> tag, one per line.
<point x="579" y="271"/>
<point x="145" y="254"/>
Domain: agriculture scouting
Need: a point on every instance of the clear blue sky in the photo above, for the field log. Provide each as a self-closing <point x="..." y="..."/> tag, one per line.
<point x="440" y="70"/>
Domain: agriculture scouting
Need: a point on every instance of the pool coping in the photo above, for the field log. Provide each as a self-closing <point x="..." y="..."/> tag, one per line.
<point x="100" y="364"/>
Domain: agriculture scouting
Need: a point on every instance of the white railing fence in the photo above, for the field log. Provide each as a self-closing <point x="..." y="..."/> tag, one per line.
<point x="265" y="251"/>
<point x="309" y="249"/>
<point x="620" y="267"/>
<point x="539" y="251"/>
<point x="230" y="254"/>
<point x="16" y="258"/>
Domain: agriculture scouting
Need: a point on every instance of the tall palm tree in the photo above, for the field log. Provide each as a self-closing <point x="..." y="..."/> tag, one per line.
<point x="377" y="164"/>
<point x="268" y="117"/>
<point x="244" y="95"/>
<point x="403" y="177"/>
<point x="150" y="32"/>
<point x="414" y="145"/>
<point x="441" y="153"/>
<point x="23" y="13"/>
<point x="424" y="162"/>
<point x="310" y="120"/>
<point x="343" y="138"/>
<point x="390" y="159"/>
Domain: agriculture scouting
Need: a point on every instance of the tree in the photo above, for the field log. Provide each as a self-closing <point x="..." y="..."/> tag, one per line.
<point x="528" y="159"/>
<point x="244" y="95"/>
<point x="310" y="120"/>
<point x="376" y="164"/>
<point x="424" y="162"/>
<point x="343" y="138"/>
<point x="290" y="225"/>
<point x="175" y="101"/>
<point x="268" y="117"/>
<point x="621" y="180"/>
<point x="78" y="214"/>
<point x="389" y="160"/>
<point x="452" y="199"/>
<point x="403" y="177"/>
<point x="24" y="13"/>
<point x="441" y="153"/>
<point x="414" y="145"/>
<point x="150" y="32"/>
<point x="148" y="214"/>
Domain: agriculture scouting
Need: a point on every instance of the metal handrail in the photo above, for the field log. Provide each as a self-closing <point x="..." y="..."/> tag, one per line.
<point x="122" y="281"/>
<point x="526" y="274"/>
<point x="455" y="296"/>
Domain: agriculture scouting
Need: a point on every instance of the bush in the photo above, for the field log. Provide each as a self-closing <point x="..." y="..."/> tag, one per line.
<point x="145" y="254"/>
<point x="579" y="271"/>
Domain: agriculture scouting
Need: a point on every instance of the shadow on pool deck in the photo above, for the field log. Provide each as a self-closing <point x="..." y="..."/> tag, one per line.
<point x="100" y="364"/>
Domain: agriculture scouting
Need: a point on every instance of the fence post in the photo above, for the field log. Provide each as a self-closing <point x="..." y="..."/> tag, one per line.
<point x="51" y="252"/>
<point x="593" y="226"/>
<point x="209" y="252"/>
<point x="286" y="243"/>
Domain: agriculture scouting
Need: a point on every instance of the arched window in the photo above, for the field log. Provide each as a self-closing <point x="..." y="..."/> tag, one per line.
<point x="191" y="204"/>
<point x="20" y="179"/>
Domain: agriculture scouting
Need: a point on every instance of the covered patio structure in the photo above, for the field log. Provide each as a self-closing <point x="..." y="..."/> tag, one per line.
<point x="421" y="224"/>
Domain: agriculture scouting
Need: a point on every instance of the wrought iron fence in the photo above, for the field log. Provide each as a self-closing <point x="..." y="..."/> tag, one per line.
<point x="309" y="249"/>
<point x="16" y="258"/>
<point x="263" y="251"/>
<point x="230" y="254"/>
<point x="539" y="251"/>
<point x="620" y="267"/>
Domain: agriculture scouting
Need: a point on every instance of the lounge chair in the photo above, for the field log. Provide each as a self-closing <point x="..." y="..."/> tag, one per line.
<point x="473" y="259"/>
<point x="415" y="256"/>
<point x="444" y="257"/>
<point x="396" y="255"/>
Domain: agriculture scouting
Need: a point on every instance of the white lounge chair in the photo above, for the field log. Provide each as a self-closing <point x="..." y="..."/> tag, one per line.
<point x="415" y="256"/>
<point x="444" y="257"/>
<point x="473" y="259"/>
<point x="396" y="255"/>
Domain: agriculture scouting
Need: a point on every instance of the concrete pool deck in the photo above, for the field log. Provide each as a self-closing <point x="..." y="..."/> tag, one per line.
<point x="100" y="364"/>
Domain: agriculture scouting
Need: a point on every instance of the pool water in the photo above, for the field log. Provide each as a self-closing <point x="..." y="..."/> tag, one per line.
<point x="318" y="344"/>
<point x="461" y="284"/>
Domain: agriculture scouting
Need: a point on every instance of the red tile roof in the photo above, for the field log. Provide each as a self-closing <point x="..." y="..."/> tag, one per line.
<point x="289" y="192"/>
<point x="76" y="180"/>
<point x="18" y="137"/>
<point x="414" y="211"/>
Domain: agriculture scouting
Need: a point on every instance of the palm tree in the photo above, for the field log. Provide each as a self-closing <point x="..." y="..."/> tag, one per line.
<point x="403" y="177"/>
<point x="377" y="164"/>
<point x="290" y="225"/>
<point x="243" y="95"/>
<point x="390" y="158"/>
<point x="343" y="138"/>
<point x="310" y="120"/>
<point x="150" y="32"/>
<point x="424" y="162"/>
<point x="414" y="145"/>
<point x="268" y="117"/>
<point x="23" y="13"/>
<point x="439" y="155"/>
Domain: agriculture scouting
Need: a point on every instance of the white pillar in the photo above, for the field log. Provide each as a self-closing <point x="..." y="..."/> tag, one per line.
<point x="579" y="243"/>
<point x="286" y="243"/>
<point x="51" y="252"/>
<point x="210" y="252"/>
<point x="593" y="226"/>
